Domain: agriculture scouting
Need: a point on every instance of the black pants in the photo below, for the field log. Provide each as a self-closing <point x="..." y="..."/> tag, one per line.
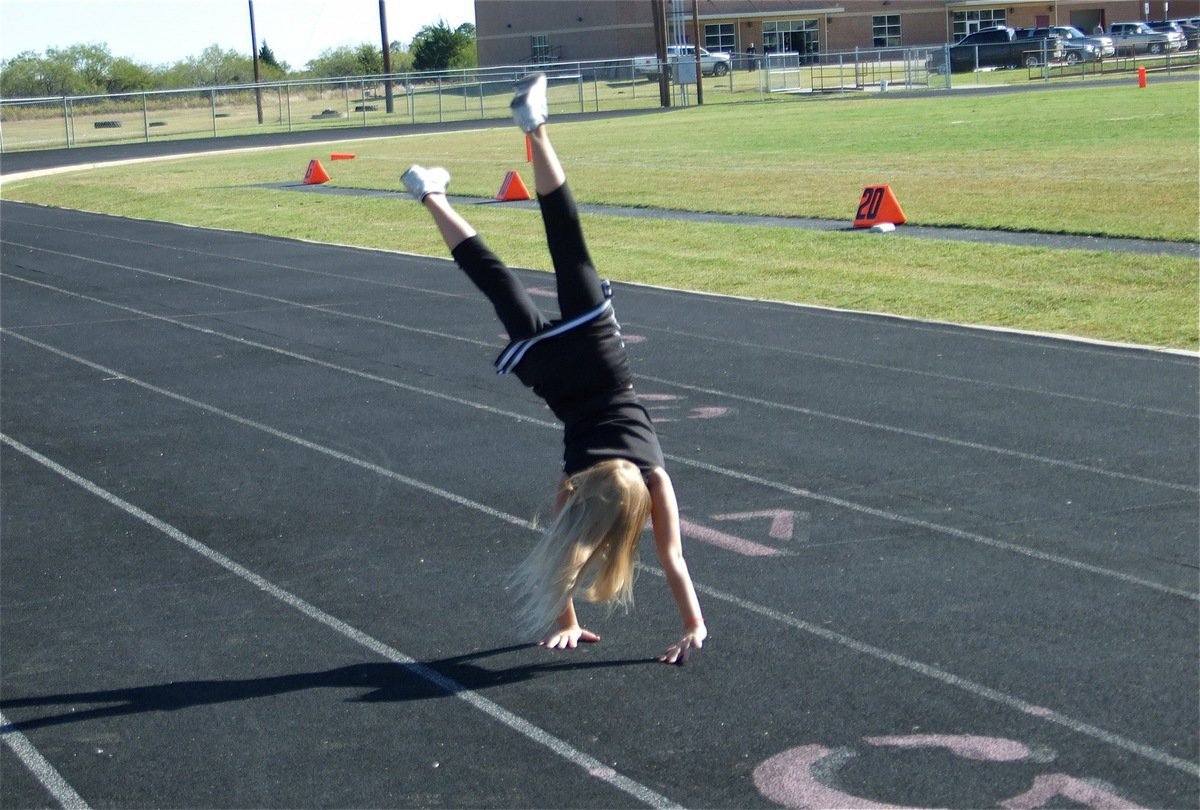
<point x="579" y="288"/>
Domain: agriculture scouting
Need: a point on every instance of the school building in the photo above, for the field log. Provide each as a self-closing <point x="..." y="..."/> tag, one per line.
<point x="513" y="32"/>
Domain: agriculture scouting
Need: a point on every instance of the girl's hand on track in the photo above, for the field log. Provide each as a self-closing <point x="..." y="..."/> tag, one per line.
<point x="679" y="652"/>
<point x="568" y="638"/>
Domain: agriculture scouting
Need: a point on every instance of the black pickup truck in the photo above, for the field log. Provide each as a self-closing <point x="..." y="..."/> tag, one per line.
<point x="998" y="47"/>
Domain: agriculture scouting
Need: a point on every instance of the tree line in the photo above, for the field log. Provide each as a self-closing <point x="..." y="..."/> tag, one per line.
<point x="91" y="69"/>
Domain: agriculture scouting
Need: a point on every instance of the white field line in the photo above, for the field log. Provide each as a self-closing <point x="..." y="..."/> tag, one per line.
<point x="592" y="766"/>
<point x="936" y="674"/>
<point x="722" y="471"/>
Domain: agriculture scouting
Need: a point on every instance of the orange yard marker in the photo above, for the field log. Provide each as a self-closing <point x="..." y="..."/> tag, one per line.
<point x="316" y="174"/>
<point x="513" y="188"/>
<point x="342" y="156"/>
<point x="878" y="204"/>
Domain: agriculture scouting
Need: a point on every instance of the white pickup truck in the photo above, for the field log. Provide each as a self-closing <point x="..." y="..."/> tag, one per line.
<point x="712" y="63"/>
<point x="1137" y="37"/>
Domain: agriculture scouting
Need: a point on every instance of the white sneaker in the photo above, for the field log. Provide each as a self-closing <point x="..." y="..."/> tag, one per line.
<point x="421" y="182"/>
<point x="529" y="106"/>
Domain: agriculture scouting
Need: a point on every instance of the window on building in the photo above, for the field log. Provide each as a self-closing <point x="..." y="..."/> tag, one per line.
<point x="968" y="22"/>
<point x="719" y="37"/>
<point x="885" y="30"/>
<point x="792" y="36"/>
<point x="539" y="48"/>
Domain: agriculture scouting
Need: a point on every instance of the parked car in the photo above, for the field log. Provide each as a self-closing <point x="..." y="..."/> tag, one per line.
<point x="1077" y="46"/>
<point x="996" y="47"/>
<point x="713" y="63"/>
<point x="1137" y="37"/>
<point x="1190" y="31"/>
<point x="1103" y="42"/>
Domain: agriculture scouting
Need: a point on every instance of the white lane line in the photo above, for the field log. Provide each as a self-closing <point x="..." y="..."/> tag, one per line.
<point x="847" y="361"/>
<point x="1154" y="353"/>
<point x="722" y="471"/>
<point x="297" y="304"/>
<point x="924" y="669"/>
<point x="949" y="679"/>
<point x="932" y="437"/>
<point x="879" y="426"/>
<point x="590" y="765"/>
<point x="960" y="534"/>
<point x="303" y="358"/>
<point x="1056" y="341"/>
<point x="45" y="773"/>
<point x="712" y="392"/>
<point x="392" y="285"/>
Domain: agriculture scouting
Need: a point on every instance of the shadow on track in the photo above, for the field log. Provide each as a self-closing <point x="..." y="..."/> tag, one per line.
<point x="385" y="682"/>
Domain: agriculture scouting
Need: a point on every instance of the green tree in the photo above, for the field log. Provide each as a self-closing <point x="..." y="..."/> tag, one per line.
<point x="214" y="67"/>
<point x="270" y="68"/>
<point x="59" y="76"/>
<point x="437" y="47"/>
<point x="21" y="76"/>
<point x="90" y="63"/>
<point x="368" y="60"/>
<point x="347" y="60"/>
<point x="468" y="54"/>
<point x="266" y="56"/>
<point x="401" y="59"/>
<point x="125" y="76"/>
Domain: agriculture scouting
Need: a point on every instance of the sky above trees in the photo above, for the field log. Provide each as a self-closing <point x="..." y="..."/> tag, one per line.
<point x="92" y="68"/>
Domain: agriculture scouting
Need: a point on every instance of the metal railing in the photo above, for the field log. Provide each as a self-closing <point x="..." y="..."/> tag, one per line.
<point x="484" y="93"/>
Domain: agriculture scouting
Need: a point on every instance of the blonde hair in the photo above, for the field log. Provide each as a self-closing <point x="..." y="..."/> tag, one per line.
<point x="590" y="548"/>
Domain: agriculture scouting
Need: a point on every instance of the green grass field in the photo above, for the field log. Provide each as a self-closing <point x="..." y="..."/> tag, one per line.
<point x="1111" y="160"/>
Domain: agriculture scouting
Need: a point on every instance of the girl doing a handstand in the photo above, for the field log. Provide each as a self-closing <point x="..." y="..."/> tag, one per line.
<point x="613" y="476"/>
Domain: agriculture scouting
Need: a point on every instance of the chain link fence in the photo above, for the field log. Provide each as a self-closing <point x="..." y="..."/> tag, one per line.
<point x="480" y="94"/>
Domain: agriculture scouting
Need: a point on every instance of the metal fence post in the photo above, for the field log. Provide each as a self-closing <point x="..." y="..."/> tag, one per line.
<point x="212" y="93"/>
<point x="145" y="117"/>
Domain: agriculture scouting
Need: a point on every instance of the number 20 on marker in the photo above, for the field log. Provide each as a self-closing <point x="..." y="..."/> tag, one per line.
<point x="878" y="204"/>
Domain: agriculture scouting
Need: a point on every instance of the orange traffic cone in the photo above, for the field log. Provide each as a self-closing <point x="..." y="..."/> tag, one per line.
<point x="513" y="189"/>
<point x="878" y="204"/>
<point x="316" y="173"/>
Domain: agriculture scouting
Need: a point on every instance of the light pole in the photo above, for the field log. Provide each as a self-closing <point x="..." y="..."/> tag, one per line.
<point x="254" y="53"/>
<point x="387" y="56"/>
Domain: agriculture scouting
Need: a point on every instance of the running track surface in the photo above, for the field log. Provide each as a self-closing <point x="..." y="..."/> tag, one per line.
<point x="261" y="496"/>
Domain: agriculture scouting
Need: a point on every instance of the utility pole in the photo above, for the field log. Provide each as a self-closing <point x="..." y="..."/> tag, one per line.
<point x="387" y="55"/>
<point x="658" y="9"/>
<point x="696" y="41"/>
<point x="254" y="52"/>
